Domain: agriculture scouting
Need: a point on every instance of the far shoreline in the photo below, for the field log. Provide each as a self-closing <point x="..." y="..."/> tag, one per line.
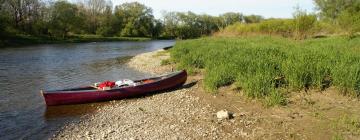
<point x="22" y="41"/>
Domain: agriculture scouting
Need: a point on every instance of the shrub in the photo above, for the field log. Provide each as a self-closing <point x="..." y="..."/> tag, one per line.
<point x="281" y="27"/>
<point x="349" y="22"/>
<point x="303" y="24"/>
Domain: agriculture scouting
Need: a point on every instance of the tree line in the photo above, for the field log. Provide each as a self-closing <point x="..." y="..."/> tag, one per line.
<point x="61" y="19"/>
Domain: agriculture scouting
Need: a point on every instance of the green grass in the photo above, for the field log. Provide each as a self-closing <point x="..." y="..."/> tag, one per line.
<point x="267" y="67"/>
<point x="22" y="40"/>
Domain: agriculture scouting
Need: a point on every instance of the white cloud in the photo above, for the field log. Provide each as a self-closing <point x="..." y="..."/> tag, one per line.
<point x="267" y="8"/>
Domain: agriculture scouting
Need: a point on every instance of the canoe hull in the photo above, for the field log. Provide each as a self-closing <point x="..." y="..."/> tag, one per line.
<point x="87" y="96"/>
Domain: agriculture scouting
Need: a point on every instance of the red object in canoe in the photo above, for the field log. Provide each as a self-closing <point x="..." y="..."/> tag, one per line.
<point x="91" y="94"/>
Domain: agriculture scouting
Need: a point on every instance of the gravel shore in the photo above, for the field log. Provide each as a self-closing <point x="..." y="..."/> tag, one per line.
<point x="171" y="115"/>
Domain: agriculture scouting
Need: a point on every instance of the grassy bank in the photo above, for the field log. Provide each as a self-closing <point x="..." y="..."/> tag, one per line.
<point x="268" y="68"/>
<point x="30" y="40"/>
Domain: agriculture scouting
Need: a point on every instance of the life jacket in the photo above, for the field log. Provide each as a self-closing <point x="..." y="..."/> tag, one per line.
<point x="105" y="84"/>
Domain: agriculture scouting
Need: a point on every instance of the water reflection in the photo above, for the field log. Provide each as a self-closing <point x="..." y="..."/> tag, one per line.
<point x="53" y="112"/>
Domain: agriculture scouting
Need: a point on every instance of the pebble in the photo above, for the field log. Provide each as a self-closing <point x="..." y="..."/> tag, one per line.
<point x="223" y="114"/>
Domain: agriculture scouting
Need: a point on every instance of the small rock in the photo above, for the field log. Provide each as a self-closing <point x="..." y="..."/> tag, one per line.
<point x="111" y="131"/>
<point x="88" y="133"/>
<point x="223" y="114"/>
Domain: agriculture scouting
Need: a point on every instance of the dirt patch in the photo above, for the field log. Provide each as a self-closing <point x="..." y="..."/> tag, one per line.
<point x="189" y="113"/>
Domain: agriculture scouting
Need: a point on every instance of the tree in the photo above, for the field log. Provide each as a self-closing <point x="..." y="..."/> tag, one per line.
<point x="24" y="13"/>
<point x="230" y="18"/>
<point x="253" y="19"/>
<point x="96" y="9"/>
<point x="135" y="19"/>
<point x="170" y="22"/>
<point x="331" y="9"/>
<point x="106" y="22"/>
<point x="65" y="18"/>
<point x="158" y="28"/>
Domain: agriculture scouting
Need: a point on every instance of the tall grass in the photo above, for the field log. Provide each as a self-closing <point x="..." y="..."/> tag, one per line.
<point x="302" y="26"/>
<point x="264" y="66"/>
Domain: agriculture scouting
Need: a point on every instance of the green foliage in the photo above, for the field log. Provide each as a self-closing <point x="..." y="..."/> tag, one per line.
<point x="350" y="22"/>
<point x="303" y="24"/>
<point x="191" y="25"/>
<point x="343" y="13"/>
<point x="230" y="18"/>
<point x="253" y="18"/>
<point x="277" y="26"/>
<point x="135" y="19"/>
<point x="330" y="9"/>
<point x="106" y="26"/>
<point x="326" y="28"/>
<point x="262" y="66"/>
<point x="65" y="18"/>
<point x="275" y="97"/>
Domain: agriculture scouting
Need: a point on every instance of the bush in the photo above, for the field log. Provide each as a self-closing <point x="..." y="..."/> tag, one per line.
<point x="349" y="22"/>
<point x="303" y="24"/>
<point x="281" y="27"/>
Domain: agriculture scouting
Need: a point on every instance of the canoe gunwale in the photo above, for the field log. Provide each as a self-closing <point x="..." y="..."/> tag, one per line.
<point x="69" y="91"/>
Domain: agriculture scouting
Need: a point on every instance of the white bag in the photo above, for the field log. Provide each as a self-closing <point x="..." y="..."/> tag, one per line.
<point x="125" y="82"/>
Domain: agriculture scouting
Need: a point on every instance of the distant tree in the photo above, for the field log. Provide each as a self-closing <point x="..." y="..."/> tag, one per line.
<point x="253" y="19"/>
<point x="230" y="18"/>
<point x="331" y="9"/>
<point x="158" y="28"/>
<point x="135" y="19"/>
<point x="24" y="13"/>
<point x="65" y="18"/>
<point x="209" y="24"/>
<point x="106" y="23"/>
<point x="95" y="9"/>
<point x="189" y="25"/>
<point x="170" y="22"/>
<point x="3" y="20"/>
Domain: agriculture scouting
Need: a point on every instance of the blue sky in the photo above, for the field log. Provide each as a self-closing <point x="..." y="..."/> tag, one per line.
<point x="266" y="8"/>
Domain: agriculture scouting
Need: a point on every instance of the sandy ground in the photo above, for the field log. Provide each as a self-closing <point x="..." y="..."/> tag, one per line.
<point x="190" y="113"/>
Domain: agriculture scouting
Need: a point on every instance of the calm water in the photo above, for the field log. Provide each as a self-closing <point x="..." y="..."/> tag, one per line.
<point x="26" y="70"/>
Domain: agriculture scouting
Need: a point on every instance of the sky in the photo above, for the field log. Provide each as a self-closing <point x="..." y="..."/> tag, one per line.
<point x="266" y="8"/>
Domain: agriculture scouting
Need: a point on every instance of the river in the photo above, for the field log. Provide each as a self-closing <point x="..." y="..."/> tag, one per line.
<point x="24" y="71"/>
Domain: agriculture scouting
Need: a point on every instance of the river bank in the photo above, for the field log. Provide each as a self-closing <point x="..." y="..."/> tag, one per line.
<point x="15" y="41"/>
<point x="191" y="113"/>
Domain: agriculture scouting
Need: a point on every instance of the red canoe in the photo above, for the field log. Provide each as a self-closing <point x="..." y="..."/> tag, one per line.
<point x="90" y="94"/>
